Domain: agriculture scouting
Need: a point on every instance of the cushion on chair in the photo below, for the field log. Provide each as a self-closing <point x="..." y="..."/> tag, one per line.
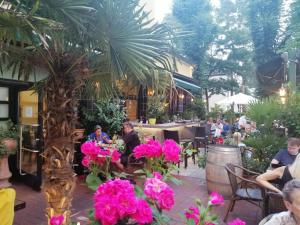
<point x="252" y="193"/>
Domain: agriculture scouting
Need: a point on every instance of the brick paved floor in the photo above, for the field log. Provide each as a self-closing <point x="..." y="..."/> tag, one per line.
<point x="193" y="187"/>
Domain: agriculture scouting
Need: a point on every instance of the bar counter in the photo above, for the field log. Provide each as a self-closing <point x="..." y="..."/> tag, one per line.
<point x="147" y="130"/>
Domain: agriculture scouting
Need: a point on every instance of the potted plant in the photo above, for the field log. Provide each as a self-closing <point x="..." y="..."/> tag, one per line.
<point x="154" y="109"/>
<point x="8" y="143"/>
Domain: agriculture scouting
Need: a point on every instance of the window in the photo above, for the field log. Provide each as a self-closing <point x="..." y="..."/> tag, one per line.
<point x="4" y="103"/>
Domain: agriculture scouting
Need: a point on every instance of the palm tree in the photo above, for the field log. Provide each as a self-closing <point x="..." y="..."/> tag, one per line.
<point x="77" y="43"/>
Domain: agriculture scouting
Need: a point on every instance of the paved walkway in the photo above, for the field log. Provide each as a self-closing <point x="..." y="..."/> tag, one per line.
<point x="193" y="187"/>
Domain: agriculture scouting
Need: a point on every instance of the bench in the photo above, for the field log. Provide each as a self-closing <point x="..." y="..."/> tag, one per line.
<point x="19" y="204"/>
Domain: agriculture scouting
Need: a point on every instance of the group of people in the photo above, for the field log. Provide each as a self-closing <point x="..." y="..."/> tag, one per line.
<point x="221" y="129"/>
<point x="130" y="138"/>
<point x="284" y="178"/>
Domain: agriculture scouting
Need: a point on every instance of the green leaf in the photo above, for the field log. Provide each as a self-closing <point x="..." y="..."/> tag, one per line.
<point x="92" y="181"/>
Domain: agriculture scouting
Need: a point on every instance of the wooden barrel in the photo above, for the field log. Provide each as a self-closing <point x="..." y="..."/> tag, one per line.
<point x="216" y="175"/>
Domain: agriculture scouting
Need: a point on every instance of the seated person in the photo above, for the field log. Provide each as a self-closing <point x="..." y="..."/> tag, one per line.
<point x="226" y="128"/>
<point x="287" y="156"/>
<point x="284" y="173"/>
<point x="131" y="140"/>
<point x="99" y="136"/>
<point x="291" y="198"/>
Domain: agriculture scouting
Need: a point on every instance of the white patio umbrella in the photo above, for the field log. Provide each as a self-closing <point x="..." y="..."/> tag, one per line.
<point x="236" y="100"/>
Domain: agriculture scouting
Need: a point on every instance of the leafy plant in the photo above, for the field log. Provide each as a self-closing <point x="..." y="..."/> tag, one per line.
<point x="155" y="107"/>
<point x="108" y="114"/>
<point x="265" y="111"/>
<point x="8" y="131"/>
<point x="290" y="115"/>
<point x="265" y="146"/>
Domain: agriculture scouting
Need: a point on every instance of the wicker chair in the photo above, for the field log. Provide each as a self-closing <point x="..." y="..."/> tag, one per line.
<point x="244" y="188"/>
<point x="133" y="166"/>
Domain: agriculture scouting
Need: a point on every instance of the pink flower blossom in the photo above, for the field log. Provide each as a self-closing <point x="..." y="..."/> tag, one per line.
<point x="89" y="148"/>
<point x="143" y="214"/>
<point x="193" y="214"/>
<point x="166" y="199"/>
<point x="157" y="175"/>
<point x="86" y="161"/>
<point x="155" y="149"/>
<point x="216" y="199"/>
<point x="140" y="151"/>
<point x="237" y="221"/>
<point x="158" y="190"/>
<point x="115" y="200"/>
<point x="57" y="220"/>
<point x="153" y="187"/>
<point x="171" y="151"/>
<point x="115" y="156"/>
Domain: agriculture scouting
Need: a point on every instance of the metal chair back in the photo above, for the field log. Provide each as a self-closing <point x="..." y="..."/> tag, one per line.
<point x="171" y="134"/>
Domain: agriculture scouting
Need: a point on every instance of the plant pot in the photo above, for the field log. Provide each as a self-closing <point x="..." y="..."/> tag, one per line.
<point x="5" y="174"/>
<point x="152" y="121"/>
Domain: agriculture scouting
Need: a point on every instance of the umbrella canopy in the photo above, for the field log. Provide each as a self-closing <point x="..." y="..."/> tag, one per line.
<point x="238" y="99"/>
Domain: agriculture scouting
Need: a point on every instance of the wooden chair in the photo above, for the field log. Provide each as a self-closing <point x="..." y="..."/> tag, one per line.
<point x="244" y="188"/>
<point x="274" y="203"/>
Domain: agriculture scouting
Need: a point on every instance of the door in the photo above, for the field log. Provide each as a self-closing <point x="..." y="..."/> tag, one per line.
<point x="30" y="143"/>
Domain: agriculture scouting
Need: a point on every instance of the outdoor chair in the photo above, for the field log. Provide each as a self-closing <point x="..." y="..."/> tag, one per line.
<point x="134" y="165"/>
<point x="274" y="203"/>
<point x="244" y="188"/>
<point x="201" y="138"/>
<point x="19" y="205"/>
<point x="174" y="135"/>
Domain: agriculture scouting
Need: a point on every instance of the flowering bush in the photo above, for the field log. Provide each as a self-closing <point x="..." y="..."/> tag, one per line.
<point x="159" y="157"/>
<point x="97" y="160"/>
<point x="200" y="215"/>
<point x="115" y="202"/>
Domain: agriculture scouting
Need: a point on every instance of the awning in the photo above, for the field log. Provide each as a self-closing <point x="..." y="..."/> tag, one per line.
<point x="187" y="85"/>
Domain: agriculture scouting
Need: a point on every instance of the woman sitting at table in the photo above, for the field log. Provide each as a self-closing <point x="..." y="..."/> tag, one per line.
<point x="284" y="174"/>
<point x="99" y="136"/>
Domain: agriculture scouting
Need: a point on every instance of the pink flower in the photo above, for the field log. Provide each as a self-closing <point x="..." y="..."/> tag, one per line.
<point x="158" y="190"/>
<point x="86" y="161"/>
<point x="153" y="187"/>
<point x="166" y="199"/>
<point x="115" y="200"/>
<point x="140" y="151"/>
<point x="171" y="151"/>
<point x="237" y="221"/>
<point x="143" y="213"/>
<point x="115" y="156"/>
<point x="157" y="175"/>
<point x="89" y="148"/>
<point x="193" y="214"/>
<point x="155" y="149"/>
<point x="57" y="220"/>
<point x="126" y="204"/>
<point x="216" y="199"/>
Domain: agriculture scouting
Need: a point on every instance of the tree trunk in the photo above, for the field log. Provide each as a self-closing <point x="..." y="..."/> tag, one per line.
<point x="60" y="119"/>
<point x="207" y="99"/>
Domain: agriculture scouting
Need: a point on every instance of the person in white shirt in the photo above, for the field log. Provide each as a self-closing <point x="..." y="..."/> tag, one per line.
<point x="242" y="122"/>
<point x="291" y="198"/>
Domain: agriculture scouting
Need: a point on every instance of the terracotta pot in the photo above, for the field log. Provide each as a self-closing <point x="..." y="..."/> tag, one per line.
<point x="5" y="174"/>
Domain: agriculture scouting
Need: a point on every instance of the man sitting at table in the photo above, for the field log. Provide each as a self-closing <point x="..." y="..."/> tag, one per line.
<point x="287" y="156"/>
<point x="131" y="140"/>
<point x="99" y="136"/>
